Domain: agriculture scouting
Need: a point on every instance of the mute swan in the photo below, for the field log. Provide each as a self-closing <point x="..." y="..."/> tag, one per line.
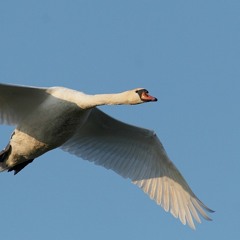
<point x="47" y="118"/>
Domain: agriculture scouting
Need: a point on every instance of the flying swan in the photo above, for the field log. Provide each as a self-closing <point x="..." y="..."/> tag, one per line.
<point x="48" y="118"/>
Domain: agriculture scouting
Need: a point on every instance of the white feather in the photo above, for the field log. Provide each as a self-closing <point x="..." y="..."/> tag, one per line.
<point x="144" y="159"/>
<point x="47" y="118"/>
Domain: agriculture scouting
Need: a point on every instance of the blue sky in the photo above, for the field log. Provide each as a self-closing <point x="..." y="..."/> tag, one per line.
<point x="186" y="53"/>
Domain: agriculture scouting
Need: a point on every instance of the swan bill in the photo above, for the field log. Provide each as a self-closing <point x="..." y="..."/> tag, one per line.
<point x="145" y="97"/>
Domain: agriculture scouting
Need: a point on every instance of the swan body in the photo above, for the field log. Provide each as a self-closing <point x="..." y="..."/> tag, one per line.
<point x="48" y="118"/>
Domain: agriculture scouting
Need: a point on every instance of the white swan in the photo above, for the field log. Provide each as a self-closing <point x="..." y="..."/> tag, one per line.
<point x="47" y="118"/>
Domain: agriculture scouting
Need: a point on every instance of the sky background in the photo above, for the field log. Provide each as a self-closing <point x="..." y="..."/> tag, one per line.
<point x="186" y="53"/>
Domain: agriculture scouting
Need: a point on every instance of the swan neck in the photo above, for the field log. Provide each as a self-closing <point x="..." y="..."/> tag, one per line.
<point x="107" y="99"/>
<point x="86" y="101"/>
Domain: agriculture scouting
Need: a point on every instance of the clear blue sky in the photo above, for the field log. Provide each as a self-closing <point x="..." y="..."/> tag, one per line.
<point x="186" y="53"/>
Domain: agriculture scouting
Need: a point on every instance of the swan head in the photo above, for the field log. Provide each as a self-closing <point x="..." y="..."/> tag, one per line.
<point x="141" y="95"/>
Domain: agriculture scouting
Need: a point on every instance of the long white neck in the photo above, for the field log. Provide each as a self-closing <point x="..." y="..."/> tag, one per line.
<point x="86" y="101"/>
<point x="89" y="101"/>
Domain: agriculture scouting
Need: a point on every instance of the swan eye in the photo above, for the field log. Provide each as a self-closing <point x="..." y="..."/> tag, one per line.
<point x="140" y="92"/>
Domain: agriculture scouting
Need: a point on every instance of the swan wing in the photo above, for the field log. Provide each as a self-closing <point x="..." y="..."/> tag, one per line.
<point x="17" y="101"/>
<point x="137" y="153"/>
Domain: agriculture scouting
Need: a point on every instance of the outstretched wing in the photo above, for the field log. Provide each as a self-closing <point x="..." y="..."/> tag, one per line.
<point x="137" y="153"/>
<point x="17" y="101"/>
